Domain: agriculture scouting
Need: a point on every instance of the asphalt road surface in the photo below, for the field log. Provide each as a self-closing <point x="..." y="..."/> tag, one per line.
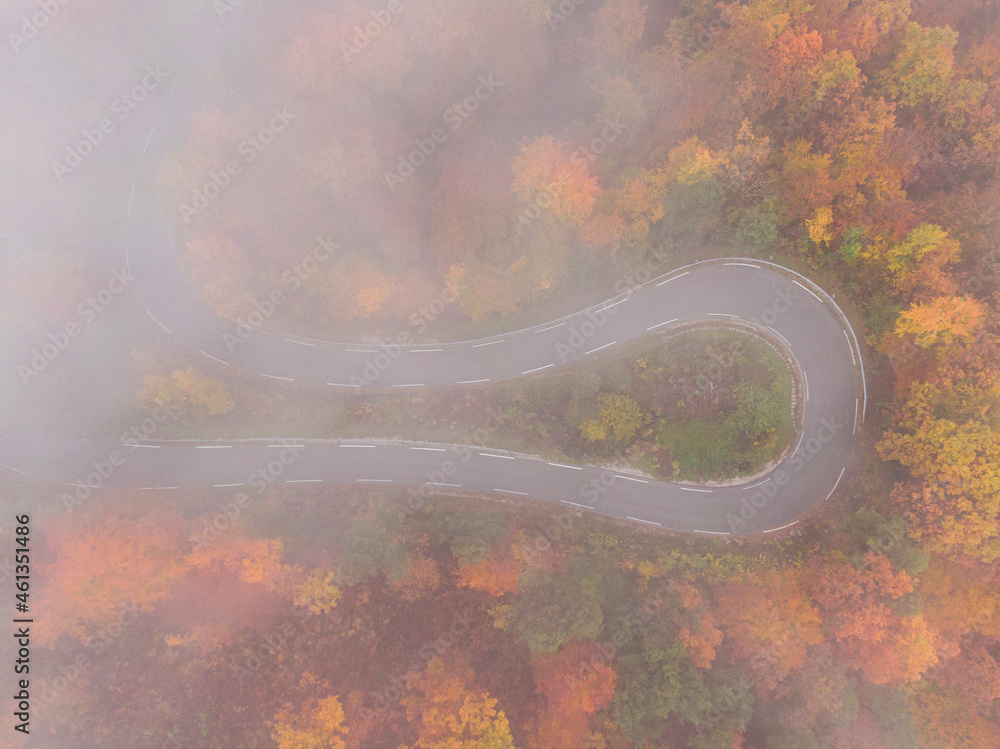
<point x="788" y="308"/>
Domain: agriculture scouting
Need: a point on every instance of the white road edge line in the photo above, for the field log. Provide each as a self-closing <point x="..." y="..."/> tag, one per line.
<point x="563" y="465"/>
<point x="721" y="314"/>
<point x="431" y="449"/>
<point x="211" y="447"/>
<point x="275" y="377"/>
<point x="640" y="520"/>
<point x="11" y="468"/>
<point x="576" y="504"/>
<point x="630" y="478"/>
<point x="798" y="444"/>
<point x="472" y="382"/>
<point x="658" y="325"/>
<point x="508" y="491"/>
<point x="759" y="483"/>
<point x="747" y="265"/>
<point x="440" y="483"/>
<point x="491" y="455"/>
<point x="538" y="369"/>
<point x="713" y="533"/>
<point x="158" y="322"/>
<point x="424" y="350"/>
<point x="836" y="484"/>
<point x="807" y="289"/>
<point x="148" y="447"/>
<point x="301" y="343"/>
<point x="412" y="385"/>
<point x="855" y="416"/>
<point x="552" y="327"/>
<point x="595" y="350"/>
<point x="150" y="136"/>
<point x="692" y="489"/>
<point x="341" y="385"/>
<point x="805" y="378"/>
<point x="787" y="525"/>
<point x="780" y="336"/>
<point x="362" y="351"/>
<point x="304" y="481"/>
<point x="374" y="481"/>
<point x="286" y="445"/>
<point x="613" y="304"/>
<point x="357" y="445"/>
<point x="224" y="486"/>
<point x="674" y="278"/>
<point x="157" y="488"/>
<point x="849" y="346"/>
<point x="212" y="357"/>
<point x="479" y="345"/>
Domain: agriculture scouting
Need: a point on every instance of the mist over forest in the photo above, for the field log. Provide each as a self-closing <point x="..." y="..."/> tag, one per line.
<point x="565" y="272"/>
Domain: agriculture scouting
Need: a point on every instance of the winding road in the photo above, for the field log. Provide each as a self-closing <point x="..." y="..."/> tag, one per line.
<point x="788" y="309"/>
<point x="791" y="311"/>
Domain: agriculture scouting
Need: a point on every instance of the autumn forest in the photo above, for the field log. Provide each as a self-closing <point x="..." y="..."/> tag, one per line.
<point x="446" y="170"/>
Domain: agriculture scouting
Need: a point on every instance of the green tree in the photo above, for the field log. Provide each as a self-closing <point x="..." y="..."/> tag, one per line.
<point x="758" y="411"/>
<point x="188" y="394"/>
<point x="656" y="684"/>
<point x="471" y="533"/>
<point x="367" y="549"/>
<point x="922" y="68"/>
<point x="618" y="420"/>
<point x="552" y="609"/>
